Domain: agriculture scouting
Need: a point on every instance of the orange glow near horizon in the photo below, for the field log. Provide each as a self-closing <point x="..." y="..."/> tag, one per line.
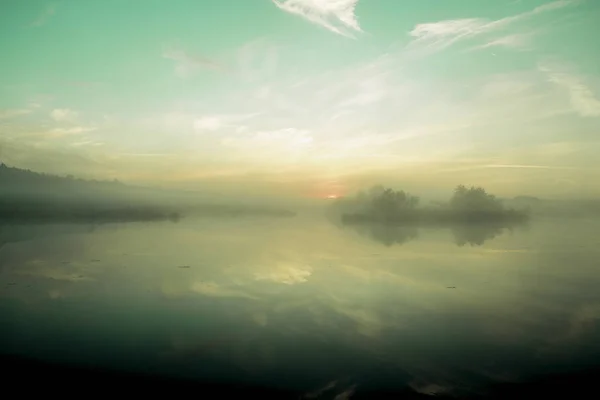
<point x="326" y="190"/>
<point x="325" y="196"/>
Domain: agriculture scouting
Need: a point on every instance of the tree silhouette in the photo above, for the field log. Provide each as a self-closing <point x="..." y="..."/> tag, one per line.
<point x="390" y="204"/>
<point x="475" y="199"/>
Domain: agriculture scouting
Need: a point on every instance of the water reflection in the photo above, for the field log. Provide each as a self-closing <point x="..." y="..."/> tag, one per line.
<point x="10" y="233"/>
<point x="386" y="234"/>
<point x="473" y="234"/>
<point x="477" y="234"/>
<point x="267" y="300"/>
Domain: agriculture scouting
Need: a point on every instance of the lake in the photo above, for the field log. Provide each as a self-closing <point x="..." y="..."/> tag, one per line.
<point x="302" y="302"/>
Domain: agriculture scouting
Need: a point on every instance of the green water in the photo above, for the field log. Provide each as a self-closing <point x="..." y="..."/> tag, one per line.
<point x="301" y="302"/>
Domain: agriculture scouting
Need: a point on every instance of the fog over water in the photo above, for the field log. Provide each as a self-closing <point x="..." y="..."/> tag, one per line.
<point x="269" y="297"/>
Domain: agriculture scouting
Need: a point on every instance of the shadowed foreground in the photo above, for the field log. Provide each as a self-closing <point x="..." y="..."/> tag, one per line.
<point x="71" y="380"/>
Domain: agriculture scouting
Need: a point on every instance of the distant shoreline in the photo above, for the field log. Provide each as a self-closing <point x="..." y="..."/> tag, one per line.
<point x="27" y="196"/>
<point x="76" y="210"/>
<point x="86" y="214"/>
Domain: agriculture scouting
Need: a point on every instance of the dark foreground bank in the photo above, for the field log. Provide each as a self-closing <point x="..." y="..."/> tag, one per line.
<point x="29" y="376"/>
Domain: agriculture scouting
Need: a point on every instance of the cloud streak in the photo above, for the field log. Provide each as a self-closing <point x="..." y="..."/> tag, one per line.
<point x="518" y="41"/>
<point x="13" y="112"/>
<point x="63" y="115"/>
<point x="582" y="98"/>
<point x="61" y="132"/>
<point x="186" y="64"/>
<point x="437" y="36"/>
<point x="338" y="16"/>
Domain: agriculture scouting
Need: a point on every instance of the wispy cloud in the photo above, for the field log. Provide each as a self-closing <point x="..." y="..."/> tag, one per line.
<point x="178" y="122"/>
<point x="217" y="122"/>
<point x="271" y="145"/>
<point x="501" y="166"/>
<point x="64" y="115"/>
<point x="145" y="155"/>
<point x="186" y="64"/>
<point x="374" y="113"/>
<point x="338" y="16"/>
<point x="48" y="12"/>
<point x="518" y="41"/>
<point x="436" y="36"/>
<point x="208" y="123"/>
<point x="523" y="166"/>
<point x="75" y="130"/>
<point x="83" y="143"/>
<point x="13" y="112"/>
<point x="582" y="98"/>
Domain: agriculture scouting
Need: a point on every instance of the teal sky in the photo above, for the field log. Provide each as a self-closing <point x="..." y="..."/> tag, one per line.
<point x="306" y="97"/>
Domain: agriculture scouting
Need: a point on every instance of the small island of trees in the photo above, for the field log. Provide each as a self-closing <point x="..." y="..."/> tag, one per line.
<point x="392" y="217"/>
<point x="386" y="205"/>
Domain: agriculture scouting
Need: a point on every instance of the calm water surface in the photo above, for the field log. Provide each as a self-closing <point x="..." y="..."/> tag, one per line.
<point x="301" y="302"/>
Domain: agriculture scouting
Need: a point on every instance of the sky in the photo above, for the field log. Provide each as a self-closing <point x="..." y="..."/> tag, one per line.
<point x="312" y="98"/>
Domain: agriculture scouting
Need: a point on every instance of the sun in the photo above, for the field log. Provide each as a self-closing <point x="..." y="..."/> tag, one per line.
<point x="332" y="196"/>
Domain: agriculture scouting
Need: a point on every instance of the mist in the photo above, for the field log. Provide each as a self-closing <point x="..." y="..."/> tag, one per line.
<point x="32" y="196"/>
<point x="26" y="194"/>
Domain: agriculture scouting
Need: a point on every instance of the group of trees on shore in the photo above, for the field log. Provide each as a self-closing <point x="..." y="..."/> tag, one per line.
<point x="32" y="196"/>
<point x="18" y="176"/>
<point x="29" y="196"/>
